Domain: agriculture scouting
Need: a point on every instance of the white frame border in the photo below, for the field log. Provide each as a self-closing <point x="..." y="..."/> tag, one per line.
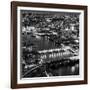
<point x="51" y="79"/>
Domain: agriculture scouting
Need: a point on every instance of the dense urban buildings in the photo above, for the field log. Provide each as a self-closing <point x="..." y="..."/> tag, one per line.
<point x="49" y="43"/>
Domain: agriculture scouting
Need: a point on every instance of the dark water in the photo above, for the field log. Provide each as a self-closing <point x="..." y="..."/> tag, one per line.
<point x="43" y="43"/>
<point x="60" y="71"/>
<point x="66" y="70"/>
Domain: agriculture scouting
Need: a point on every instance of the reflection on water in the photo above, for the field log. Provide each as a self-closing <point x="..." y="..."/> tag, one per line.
<point x="54" y="64"/>
<point x="49" y="72"/>
<point x="66" y="70"/>
<point x="44" y="43"/>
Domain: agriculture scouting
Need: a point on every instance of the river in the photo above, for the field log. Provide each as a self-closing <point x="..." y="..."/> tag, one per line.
<point x="65" y="70"/>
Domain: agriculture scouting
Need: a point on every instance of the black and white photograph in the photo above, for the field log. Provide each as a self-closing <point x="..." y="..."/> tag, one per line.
<point x="49" y="43"/>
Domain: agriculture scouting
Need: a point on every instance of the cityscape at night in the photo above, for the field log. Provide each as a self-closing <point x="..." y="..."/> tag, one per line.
<point x="49" y="44"/>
